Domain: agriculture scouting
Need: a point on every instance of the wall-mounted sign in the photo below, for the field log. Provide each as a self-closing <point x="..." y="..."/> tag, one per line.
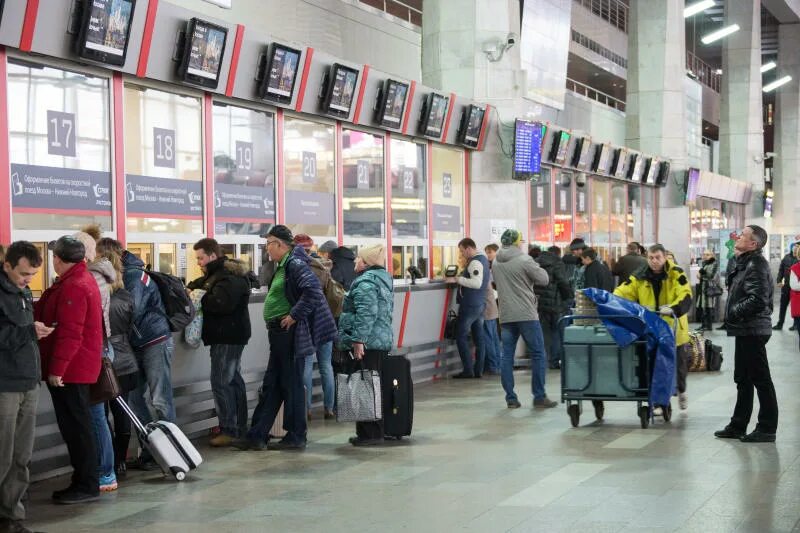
<point x="244" y="155"/>
<point x="581" y="202"/>
<point x="447" y="185"/>
<point x="147" y="196"/>
<point x="60" y="133"/>
<point x="303" y="207"/>
<point x="362" y="174"/>
<point x="562" y="200"/>
<point x="408" y="180"/>
<point x="309" y="167"/>
<point x="527" y="148"/>
<point x="446" y="217"/>
<point x="237" y="203"/>
<point x="163" y="148"/>
<point x="540" y="197"/>
<point x="60" y="190"/>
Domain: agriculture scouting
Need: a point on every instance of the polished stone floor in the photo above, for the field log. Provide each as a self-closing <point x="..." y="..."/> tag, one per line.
<point x="473" y="465"/>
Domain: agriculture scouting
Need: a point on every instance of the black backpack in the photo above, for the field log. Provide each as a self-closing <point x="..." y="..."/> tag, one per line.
<point x="713" y="356"/>
<point x="177" y="304"/>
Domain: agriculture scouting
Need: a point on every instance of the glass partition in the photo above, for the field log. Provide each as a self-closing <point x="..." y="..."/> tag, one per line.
<point x="562" y="209"/>
<point x="617" y="224"/>
<point x="634" y="217"/>
<point x="648" y="216"/>
<point x="163" y="161"/>
<point x="404" y="257"/>
<point x="582" y="210"/>
<point x="541" y="224"/>
<point x="310" y="177"/>
<point x="448" y="194"/>
<point x="59" y="147"/>
<point x="600" y="216"/>
<point x="409" y="190"/>
<point x="364" y="202"/>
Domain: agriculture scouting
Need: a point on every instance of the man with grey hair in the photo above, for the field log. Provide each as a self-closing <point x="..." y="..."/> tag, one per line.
<point x="748" y="318"/>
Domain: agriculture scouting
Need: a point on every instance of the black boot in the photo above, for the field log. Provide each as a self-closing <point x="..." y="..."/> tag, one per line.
<point x="121" y="442"/>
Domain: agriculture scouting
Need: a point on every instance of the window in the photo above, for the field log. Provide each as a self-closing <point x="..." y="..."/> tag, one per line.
<point x="541" y="224"/>
<point x="404" y="257"/>
<point x="409" y="190"/>
<point x="562" y="218"/>
<point x="634" y="218"/>
<point x="618" y="210"/>
<point x="60" y="147"/>
<point x="244" y="170"/>
<point x="582" y="210"/>
<point x="364" y="202"/>
<point x="600" y="212"/>
<point x="447" y="183"/>
<point x="649" y="215"/>
<point x="310" y="178"/>
<point x="163" y="161"/>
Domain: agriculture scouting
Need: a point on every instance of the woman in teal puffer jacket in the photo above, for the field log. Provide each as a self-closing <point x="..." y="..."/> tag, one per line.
<point x="365" y="325"/>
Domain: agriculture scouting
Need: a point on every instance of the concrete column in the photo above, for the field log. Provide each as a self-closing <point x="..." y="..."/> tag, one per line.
<point x="786" y="171"/>
<point x="741" y="129"/>
<point x="656" y="105"/>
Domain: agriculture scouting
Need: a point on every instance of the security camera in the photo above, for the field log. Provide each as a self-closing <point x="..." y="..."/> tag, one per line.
<point x="580" y="179"/>
<point x="511" y="40"/>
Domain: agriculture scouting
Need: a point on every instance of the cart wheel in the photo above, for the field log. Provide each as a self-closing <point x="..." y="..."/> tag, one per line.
<point x="574" y="414"/>
<point x="667" y="412"/>
<point x="644" y="416"/>
<point x="599" y="410"/>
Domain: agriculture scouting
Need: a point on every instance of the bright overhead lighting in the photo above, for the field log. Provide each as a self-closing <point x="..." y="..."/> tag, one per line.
<point x="718" y="71"/>
<point x="777" y="83"/>
<point x="766" y="67"/>
<point x="719" y="34"/>
<point x="694" y="9"/>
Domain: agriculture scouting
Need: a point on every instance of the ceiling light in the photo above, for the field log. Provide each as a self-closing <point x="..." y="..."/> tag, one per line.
<point x="766" y="67"/>
<point x="718" y="71"/>
<point x="694" y="9"/>
<point x="777" y="83"/>
<point x="719" y="34"/>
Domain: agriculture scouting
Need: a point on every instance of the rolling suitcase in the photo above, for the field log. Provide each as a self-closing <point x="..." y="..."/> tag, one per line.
<point x="398" y="396"/>
<point x="171" y="449"/>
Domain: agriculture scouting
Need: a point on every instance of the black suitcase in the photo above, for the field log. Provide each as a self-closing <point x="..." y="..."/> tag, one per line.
<point x="713" y="356"/>
<point x="398" y="396"/>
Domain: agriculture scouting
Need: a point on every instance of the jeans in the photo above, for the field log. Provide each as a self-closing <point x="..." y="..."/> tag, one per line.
<point x="283" y="384"/>
<point x="494" y="350"/>
<point x="751" y="370"/>
<point x="227" y="385"/>
<point x="531" y="331"/>
<point x="553" y="335"/>
<point x="102" y="437"/>
<point x="324" y="354"/>
<point x="471" y="318"/>
<point x="74" y="418"/>
<point x="155" y="374"/>
<point x="17" y="426"/>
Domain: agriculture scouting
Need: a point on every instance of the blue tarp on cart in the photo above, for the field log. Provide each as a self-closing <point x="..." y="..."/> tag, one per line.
<point x="659" y="335"/>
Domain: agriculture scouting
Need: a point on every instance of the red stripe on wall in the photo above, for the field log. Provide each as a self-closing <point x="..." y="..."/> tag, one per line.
<point x="29" y="25"/>
<point x="55" y="211"/>
<point x="409" y="101"/>
<point x="388" y="181"/>
<point x="339" y="186"/>
<point x="164" y="215"/>
<point x="5" y="160"/>
<point x="429" y="183"/>
<point x="120" y="218"/>
<point x="147" y="38"/>
<point x="484" y="126"/>
<point x="467" y="170"/>
<point x="279" y="183"/>
<point x="208" y="112"/>
<point x="360" y="100"/>
<point x="301" y="93"/>
<point x="444" y="323"/>
<point x="244" y="219"/>
<point x="450" y="105"/>
<point x="406" y="300"/>
<point x="529" y="224"/>
<point x="237" y="49"/>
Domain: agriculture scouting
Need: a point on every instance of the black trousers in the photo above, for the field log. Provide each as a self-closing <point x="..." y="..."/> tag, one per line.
<point x="682" y="362"/>
<point x="371" y="430"/>
<point x="71" y="404"/>
<point x="785" y="295"/>
<point x="122" y="424"/>
<point x="752" y="370"/>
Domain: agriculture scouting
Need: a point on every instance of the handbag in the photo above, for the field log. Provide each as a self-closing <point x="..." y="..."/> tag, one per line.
<point x="451" y="327"/>
<point x="697" y="346"/>
<point x="193" y="333"/>
<point x="106" y="388"/>
<point x="714" y="289"/>
<point x="358" y="396"/>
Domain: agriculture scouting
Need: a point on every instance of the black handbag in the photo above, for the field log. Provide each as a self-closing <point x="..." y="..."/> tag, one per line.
<point x="451" y="327"/>
<point x="106" y="388"/>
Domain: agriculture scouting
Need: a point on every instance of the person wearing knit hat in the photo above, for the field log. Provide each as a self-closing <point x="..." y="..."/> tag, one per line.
<point x="89" y="244"/>
<point x="327" y="247"/>
<point x="511" y="237"/>
<point x="301" y="239"/>
<point x="574" y="264"/>
<point x="374" y="255"/>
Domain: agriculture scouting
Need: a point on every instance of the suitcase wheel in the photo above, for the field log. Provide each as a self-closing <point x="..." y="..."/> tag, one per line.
<point x="179" y="474"/>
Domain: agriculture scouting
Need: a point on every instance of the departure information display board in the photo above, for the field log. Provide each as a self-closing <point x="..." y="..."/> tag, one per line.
<point x="527" y="149"/>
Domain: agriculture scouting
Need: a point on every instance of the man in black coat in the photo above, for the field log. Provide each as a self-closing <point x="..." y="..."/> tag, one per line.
<point x="226" y="328"/>
<point x="787" y="263"/>
<point x="552" y="303"/>
<point x="629" y="263"/>
<point x="344" y="262"/>
<point x="596" y="274"/>
<point x="748" y="318"/>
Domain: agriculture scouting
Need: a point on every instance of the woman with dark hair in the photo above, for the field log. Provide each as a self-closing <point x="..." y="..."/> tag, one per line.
<point x="709" y="290"/>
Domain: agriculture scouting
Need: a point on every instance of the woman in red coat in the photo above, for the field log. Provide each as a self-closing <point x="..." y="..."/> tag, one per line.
<point x="71" y="361"/>
<point x="794" y="285"/>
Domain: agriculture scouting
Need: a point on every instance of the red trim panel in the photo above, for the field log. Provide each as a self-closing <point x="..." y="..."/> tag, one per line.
<point x="52" y="211"/>
<point x="304" y="80"/>
<point x="29" y="25"/>
<point x="166" y="215"/>
<point x="242" y="219"/>
<point x="208" y="111"/>
<point x="360" y="101"/>
<point x="237" y="49"/>
<point x="406" y="300"/>
<point x="279" y="183"/>
<point x="429" y="183"/>
<point x="388" y="208"/>
<point x="441" y="330"/>
<point x="450" y="107"/>
<point x="529" y="233"/>
<point x="147" y="38"/>
<point x="5" y="159"/>
<point x="339" y="186"/>
<point x="484" y="125"/>
<point x="120" y="220"/>
<point x="409" y="101"/>
<point x="467" y="170"/>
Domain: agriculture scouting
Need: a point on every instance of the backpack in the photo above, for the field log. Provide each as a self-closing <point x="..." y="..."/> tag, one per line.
<point x="333" y="290"/>
<point x="178" y="306"/>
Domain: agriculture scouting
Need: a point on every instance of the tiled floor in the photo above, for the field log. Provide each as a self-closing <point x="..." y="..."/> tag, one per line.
<point x="473" y="465"/>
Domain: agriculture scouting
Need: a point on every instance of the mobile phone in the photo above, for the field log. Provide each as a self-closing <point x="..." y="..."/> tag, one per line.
<point x="451" y="271"/>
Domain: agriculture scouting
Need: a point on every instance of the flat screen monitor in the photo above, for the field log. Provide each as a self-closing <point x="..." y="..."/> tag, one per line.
<point x="105" y="30"/>
<point x="280" y="74"/>
<point x="602" y="159"/>
<point x="433" y="113"/>
<point x="636" y="168"/>
<point x="618" y="166"/>
<point x="545" y="133"/>
<point x="527" y="149"/>
<point x="340" y="89"/>
<point x="651" y="170"/>
<point x="470" y="130"/>
<point x="391" y="104"/>
<point x="203" y="53"/>
<point x="558" y="150"/>
<point x="580" y="159"/>
<point x="663" y="174"/>
<point x="692" y="185"/>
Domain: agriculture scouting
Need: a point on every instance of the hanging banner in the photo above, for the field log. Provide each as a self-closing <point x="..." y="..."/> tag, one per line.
<point x="235" y="203"/>
<point x="303" y="207"/>
<point x="60" y="190"/>
<point x="163" y="197"/>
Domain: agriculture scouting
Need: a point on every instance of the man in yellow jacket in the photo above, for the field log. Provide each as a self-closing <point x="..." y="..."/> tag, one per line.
<point x="663" y="287"/>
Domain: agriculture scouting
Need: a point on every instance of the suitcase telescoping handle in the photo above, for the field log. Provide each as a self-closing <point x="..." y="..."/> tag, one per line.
<point x="135" y="419"/>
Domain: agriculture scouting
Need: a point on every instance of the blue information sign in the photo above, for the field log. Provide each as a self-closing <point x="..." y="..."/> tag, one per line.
<point x="527" y="147"/>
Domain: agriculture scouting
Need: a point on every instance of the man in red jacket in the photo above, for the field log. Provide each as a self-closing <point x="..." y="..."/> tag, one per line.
<point x="71" y="362"/>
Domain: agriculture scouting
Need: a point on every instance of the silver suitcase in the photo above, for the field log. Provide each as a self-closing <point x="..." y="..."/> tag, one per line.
<point x="172" y="450"/>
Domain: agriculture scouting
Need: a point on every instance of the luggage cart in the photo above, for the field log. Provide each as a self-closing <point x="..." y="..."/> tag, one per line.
<point x="595" y="368"/>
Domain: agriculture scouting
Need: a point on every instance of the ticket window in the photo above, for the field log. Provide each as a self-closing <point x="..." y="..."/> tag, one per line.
<point x="248" y="255"/>
<point x="193" y="271"/>
<point x="143" y="251"/>
<point x="447" y="200"/>
<point x="442" y="256"/>
<point x="404" y="257"/>
<point x="38" y="283"/>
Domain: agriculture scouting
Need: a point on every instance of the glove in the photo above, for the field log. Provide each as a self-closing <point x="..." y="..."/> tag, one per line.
<point x="665" y="310"/>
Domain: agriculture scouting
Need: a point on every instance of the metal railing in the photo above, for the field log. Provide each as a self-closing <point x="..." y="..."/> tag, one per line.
<point x="703" y="71"/>
<point x="613" y="11"/>
<point x="598" y="48"/>
<point x="593" y="94"/>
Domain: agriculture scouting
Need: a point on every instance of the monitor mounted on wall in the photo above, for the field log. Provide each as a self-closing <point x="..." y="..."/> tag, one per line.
<point x="339" y="89"/>
<point x="692" y="184"/>
<point x="663" y="174"/>
<point x="104" y="31"/>
<point x="618" y="166"/>
<point x="602" y="159"/>
<point x="432" y="115"/>
<point x="580" y="158"/>
<point x="203" y="53"/>
<point x="558" y="150"/>
<point x="391" y="103"/>
<point x="469" y="131"/>
<point x="651" y="170"/>
<point x="635" y="168"/>
<point x="280" y="74"/>
<point x="527" y="150"/>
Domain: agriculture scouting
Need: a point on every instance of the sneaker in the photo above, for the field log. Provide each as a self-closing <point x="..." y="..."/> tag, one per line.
<point x="121" y="469"/>
<point x="73" y="496"/>
<point x="221" y="440"/>
<point x="329" y="414"/>
<point x="247" y="444"/>
<point x="108" y="483"/>
<point x="544" y="403"/>
<point x="683" y="400"/>
<point x="147" y="465"/>
<point x="513" y="404"/>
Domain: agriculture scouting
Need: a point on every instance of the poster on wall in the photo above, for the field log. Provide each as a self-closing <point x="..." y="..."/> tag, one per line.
<point x="56" y="190"/>
<point x="147" y="196"/>
<point x="304" y="207"/>
<point x="499" y="225"/>
<point x="446" y="218"/>
<point x="240" y="203"/>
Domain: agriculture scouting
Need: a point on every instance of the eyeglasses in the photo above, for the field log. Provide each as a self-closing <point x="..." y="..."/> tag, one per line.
<point x="271" y="242"/>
